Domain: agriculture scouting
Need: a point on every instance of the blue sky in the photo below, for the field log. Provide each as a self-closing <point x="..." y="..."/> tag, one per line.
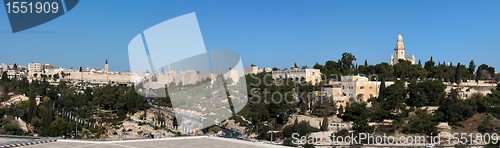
<point x="268" y="33"/>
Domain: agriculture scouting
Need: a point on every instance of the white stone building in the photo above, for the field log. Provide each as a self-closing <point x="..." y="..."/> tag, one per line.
<point x="299" y="75"/>
<point x="255" y="70"/>
<point x="35" y="68"/>
<point x="355" y="87"/>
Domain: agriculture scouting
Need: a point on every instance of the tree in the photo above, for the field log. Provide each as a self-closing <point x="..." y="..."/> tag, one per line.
<point x="12" y="129"/>
<point x="395" y="97"/>
<point x="59" y="127"/>
<point x="5" y="77"/>
<point x="340" y="111"/>
<point x="32" y="106"/>
<point x="472" y="68"/>
<point x="324" y="124"/>
<point x="384" y="70"/>
<point x="425" y="93"/>
<point x="356" y="111"/>
<point x="458" y="75"/>
<point x="430" y="67"/>
<point x="486" y="72"/>
<point x="421" y="123"/>
<point x="454" y="110"/>
<point x="347" y="66"/>
<point x="318" y="66"/>
<point x="56" y="76"/>
<point x="302" y="128"/>
<point x="324" y="106"/>
<point x="478" y="75"/>
<point x="381" y="91"/>
<point x="405" y="70"/>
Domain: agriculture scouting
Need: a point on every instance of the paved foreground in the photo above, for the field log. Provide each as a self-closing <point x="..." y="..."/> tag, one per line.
<point x="177" y="142"/>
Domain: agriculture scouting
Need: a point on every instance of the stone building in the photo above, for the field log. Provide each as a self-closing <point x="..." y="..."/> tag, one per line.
<point x="298" y="75"/>
<point x="355" y="87"/>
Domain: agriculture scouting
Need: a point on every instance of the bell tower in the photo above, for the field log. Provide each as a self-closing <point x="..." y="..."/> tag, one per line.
<point x="400" y="52"/>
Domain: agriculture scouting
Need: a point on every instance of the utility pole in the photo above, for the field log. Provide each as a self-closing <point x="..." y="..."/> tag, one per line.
<point x="76" y="127"/>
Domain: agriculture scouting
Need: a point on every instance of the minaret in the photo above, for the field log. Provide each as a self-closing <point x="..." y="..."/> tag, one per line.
<point x="106" y="66"/>
<point x="106" y="70"/>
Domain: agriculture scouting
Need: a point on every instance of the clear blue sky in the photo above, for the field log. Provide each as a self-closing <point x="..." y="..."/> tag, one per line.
<point x="267" y="32"/>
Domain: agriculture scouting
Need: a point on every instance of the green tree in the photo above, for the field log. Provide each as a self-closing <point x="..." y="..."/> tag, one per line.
<point x="340" y="111"/>
<point x="479" y="72"/>
<point x="431" y="69"/>
<point x="454" y="109"/>
<point x="318" y="66"/>
<point x="355" y="111"/>
<point x="347" y="66"/>
<point x="59" y="127"/>
<point x="421" y="123"/>
<point x="384" y="70"/>
<point x="5" y="77"/>
<point x="32" y="112"/>
<point x="425" y="93"/>
<point x="405" y="70"/>
<point x="324" y="124"/>
<point x="458" y="75"/>
<point x="471" y="69"/>
<point x="395" y="97"/>
<point x="486" y="72"/>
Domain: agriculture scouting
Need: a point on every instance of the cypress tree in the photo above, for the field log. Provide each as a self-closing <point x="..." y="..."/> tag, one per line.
<point x="381" y="92"/>
<point x="458" y="75"/>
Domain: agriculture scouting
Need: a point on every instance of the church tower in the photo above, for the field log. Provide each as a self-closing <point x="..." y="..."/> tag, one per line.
<point x="400" y="52"/>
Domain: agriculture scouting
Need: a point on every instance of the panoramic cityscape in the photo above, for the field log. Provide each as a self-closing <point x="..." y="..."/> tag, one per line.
<point x="398" y="97"/>
<point x="170" y="88"/>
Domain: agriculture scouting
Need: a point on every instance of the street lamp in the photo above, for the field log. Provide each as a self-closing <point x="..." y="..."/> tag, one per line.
<point x="272" y="135"/>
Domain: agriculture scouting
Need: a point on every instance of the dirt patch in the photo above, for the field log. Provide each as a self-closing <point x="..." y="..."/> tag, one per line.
<point x="472" y="124"/>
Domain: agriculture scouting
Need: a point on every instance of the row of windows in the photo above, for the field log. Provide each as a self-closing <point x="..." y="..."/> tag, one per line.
<point x="361" y="87"/>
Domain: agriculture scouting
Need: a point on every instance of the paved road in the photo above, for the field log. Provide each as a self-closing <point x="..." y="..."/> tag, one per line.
<point x="7" y="140"/>
<point x="178" y="142"/>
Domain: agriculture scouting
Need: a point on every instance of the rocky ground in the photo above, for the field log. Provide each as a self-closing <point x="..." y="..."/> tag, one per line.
<point x="140" y="126"/>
